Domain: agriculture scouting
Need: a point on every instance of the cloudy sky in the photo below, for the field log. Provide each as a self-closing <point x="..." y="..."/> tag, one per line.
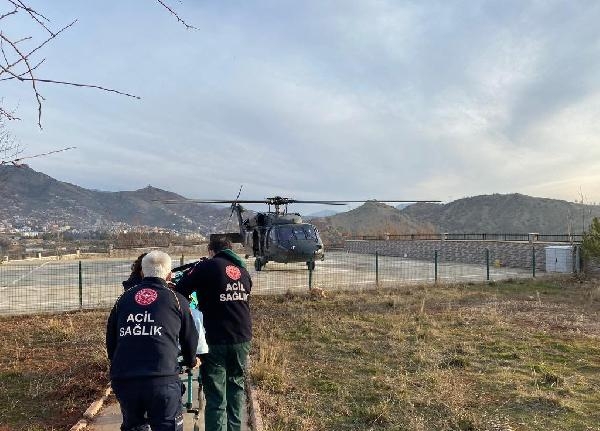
<point x="320" y="99"/>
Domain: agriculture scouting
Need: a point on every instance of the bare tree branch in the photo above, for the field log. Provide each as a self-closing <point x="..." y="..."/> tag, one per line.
<point x="17" y="161"/>
<point x="176" y="16"/>
<point x="34" y="15"/>
<point x="9" y="13"/>
<point x="24" y="73"/>
<point x="38" y="96"/>
<point x="30" y="53"/>
<point x="9" y="148"/>
<point x="7" y="114"/>
<point x="23" y="57"/>
<point x="17" y="63"/>
<point x="76" y="84"/>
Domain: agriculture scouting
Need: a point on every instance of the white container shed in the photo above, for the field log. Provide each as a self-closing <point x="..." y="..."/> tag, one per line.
<point x="559" y="258"/>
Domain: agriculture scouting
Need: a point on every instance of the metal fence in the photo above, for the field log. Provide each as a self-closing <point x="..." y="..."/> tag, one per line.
<point x="519" y="237"/>
<point x="54" y="286"/>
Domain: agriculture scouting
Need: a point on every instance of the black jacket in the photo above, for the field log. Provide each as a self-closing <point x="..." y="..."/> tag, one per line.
<point x="144" y="330"/>
<point x="133" y="280"/>
<point x="222" y="285"/>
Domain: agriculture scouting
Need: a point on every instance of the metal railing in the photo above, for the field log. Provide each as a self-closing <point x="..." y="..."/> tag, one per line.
<point x="56" y="286"/>
<point x="524" y="237"/>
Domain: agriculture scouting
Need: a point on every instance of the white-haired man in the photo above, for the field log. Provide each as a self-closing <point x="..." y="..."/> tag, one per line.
<point x="143" y="333"/>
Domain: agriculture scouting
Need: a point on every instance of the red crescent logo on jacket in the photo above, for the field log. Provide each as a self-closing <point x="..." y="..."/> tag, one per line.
<point x="233" y="272"/>
<point x="146" y="296"/>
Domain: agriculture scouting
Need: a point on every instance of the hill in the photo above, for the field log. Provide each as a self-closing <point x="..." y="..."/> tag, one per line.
<point x="371" y="218"/>
<point x="31" y="198"/>
<point x="510" y="213"/>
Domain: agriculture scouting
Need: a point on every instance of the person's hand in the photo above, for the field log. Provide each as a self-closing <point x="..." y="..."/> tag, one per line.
<point x="197" y="363"/>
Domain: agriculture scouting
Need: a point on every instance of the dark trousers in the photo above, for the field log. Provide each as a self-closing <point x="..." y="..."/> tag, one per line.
<point x="145" y="402"/>
<point x="222" y="374"/>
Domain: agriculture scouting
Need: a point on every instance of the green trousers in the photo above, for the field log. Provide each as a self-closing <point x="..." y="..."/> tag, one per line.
<point x="222" y="374"/>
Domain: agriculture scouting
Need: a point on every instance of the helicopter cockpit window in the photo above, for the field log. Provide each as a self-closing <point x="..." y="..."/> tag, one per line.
<point x="310" y="232"/>
<point x="287" y="233"/>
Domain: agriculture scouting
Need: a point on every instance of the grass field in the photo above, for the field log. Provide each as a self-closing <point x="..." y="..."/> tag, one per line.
<point x="520" y="355"/>
<point x="512" y="355"/>
<point x="51" y="368"/>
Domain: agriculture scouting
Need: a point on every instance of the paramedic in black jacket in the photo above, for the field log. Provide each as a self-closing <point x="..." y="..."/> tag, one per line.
<point x="222" y="285"/>
<point x="145" y="328"/>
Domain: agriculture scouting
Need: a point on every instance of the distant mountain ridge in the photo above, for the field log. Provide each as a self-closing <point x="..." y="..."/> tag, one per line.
<point x="497" y="213"/>
<point x="508" y="213"/>
<point x="31" y="198"/>
<point x="371" y="218"/>
<point x="34" y="199"/>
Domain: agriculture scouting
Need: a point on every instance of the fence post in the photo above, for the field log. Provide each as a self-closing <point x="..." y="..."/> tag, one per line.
<point x="487" y="263"/>
<point x="181" y="260"/>
<point x="80" y="287"/>
<point x="435" y="265"/>
<point x="310" y="274"/>
<point x="533" y="261"/>
<point x="376" y="268"/>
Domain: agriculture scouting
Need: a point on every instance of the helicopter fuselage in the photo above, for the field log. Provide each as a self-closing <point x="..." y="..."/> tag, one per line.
<point x="282" y="238"/>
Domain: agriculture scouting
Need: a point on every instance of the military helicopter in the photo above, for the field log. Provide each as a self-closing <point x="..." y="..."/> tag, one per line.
<point x="276" y="235"/>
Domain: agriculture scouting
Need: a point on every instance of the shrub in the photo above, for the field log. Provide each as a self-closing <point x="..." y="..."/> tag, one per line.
<point x="590" y="244"/>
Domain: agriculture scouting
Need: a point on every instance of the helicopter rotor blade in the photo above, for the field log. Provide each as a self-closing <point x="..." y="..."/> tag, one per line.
<point x="353" y="201"/>
<point x="294" y="201"/>
<point x="390" y="200"/>
<point x="283" y="201"/>
<point x="209" y="201"/>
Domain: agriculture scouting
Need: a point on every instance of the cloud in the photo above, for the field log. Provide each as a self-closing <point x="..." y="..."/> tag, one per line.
<point x="327" y="100"/>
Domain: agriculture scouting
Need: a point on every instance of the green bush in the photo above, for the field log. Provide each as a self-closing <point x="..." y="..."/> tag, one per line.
<point x="591" y="240"/>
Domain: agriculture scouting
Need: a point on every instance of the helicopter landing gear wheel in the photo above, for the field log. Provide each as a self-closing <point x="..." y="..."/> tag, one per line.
<point x="258" y="264"/>
<point x="310" y="265"/>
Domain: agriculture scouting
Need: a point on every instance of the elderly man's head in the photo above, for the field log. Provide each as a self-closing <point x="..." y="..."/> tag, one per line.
<point x="157" y="264"/>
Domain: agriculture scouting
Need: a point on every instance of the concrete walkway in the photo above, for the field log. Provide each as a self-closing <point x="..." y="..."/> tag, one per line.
<point x="109" y="418"/>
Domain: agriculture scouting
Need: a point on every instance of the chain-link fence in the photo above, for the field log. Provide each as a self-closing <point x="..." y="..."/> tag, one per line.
<point x="53" y="286"/>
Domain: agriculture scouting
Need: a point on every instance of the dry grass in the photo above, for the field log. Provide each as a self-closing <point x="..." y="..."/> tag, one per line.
<point x="521" y="355"/>
<point x="51" y="368"/>
<point x="518" y="355"/>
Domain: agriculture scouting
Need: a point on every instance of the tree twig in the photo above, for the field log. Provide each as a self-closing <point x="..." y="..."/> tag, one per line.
<point x="9" y="13"/>
<point x="33" y="14"/>
<point x="76" y="84"/>
<point x="24" y="73"/>
<point x="10" y="66"/>
<point x="188" y="26"/>
<point x="8" y="114"/>
<point x="38" y="96"/>
<point x="16" y="161"/>
<point x="16" y="55"/>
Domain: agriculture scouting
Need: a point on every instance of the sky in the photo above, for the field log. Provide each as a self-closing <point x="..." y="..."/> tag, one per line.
<point x="325" y="100"/>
